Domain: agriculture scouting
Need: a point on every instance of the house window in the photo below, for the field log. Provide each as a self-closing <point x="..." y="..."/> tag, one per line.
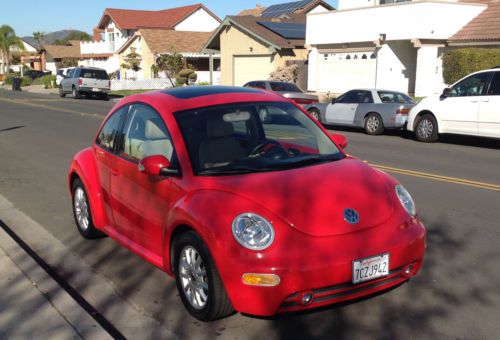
<point x="364" y="56"/>
<point x="355" y="56"/>
<point x="348" y="57"/>
<point x="373" y="56"/>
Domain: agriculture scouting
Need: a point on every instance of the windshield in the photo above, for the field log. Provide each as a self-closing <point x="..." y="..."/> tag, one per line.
<point x="253" y="137"/>
<point x="284" y="87"/>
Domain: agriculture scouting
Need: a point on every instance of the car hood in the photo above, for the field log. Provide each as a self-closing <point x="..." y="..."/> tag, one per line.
<point x="313" y="199"/>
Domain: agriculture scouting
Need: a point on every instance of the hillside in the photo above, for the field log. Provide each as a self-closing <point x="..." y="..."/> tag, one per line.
<point x="50" y="38"/>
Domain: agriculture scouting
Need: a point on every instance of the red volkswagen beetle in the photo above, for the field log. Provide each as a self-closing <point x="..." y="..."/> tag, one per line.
<point x="246" y="200"/>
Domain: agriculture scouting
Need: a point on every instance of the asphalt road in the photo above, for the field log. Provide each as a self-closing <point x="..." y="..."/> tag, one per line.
<point x="455" y="184"/>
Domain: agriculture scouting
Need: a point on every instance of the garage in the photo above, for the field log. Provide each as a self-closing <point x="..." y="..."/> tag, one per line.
<point x="248" y="68"/>
<point x="341" y="72"/>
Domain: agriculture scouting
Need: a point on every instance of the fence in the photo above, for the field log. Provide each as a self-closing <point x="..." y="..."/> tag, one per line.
<point x="140" y="84"/>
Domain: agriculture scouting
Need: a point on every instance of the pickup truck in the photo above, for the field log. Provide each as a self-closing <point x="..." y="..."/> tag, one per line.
<point x="87" y="81"/>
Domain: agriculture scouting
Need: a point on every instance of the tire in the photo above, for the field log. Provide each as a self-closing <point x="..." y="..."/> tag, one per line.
<point x="82" y="213"/>
<point x="314" y="113"/>
<point x="61" y="92"/>
<point x="104" y="96"/>
<point x="426" y="129"/>
<point x="374" y="124"/>
<point x="76" y="93"/>
<point x="213" y="303"/>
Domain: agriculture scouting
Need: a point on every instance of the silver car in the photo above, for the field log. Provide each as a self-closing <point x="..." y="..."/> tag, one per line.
<point x="372" y="109"/>
<point x="287" y="90"/>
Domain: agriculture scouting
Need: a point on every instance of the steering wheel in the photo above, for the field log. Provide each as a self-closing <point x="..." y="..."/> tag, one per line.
<point x="271" y="149"/>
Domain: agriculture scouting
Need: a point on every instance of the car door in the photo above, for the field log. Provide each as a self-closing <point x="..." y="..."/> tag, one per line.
<point x="344" y="109"/>
<point x="104" y="149"/>
<point x="140" y="201"/>
<point x="489" y="109"/>
<point x="459" y="112"/>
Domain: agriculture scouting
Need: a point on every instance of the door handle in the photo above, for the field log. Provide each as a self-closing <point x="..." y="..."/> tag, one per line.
<point x="114" y="172"/>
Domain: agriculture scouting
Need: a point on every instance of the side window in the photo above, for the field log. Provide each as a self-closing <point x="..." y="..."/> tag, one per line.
<point x="347" y="98"/>
<point x="472" y="86"/>
<point x="108" y="135"/>
<point x="259" y="85"/>
<point x="495" y="85"/>
<point x="365" y="97"/>
<point x="145" y="134"/>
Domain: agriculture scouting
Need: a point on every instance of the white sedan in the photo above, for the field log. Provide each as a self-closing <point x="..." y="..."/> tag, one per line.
<point x="471" y="106"/>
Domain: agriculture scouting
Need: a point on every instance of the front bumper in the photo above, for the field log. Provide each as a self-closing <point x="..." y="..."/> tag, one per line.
<point x="325" y="270"/>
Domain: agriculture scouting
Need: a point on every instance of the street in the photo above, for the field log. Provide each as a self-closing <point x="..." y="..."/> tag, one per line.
<point x="455" y="184"/>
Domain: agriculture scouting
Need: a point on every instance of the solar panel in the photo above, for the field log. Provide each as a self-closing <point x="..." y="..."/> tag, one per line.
<point x="286" y="29"/>
<point x="289" y="7"/>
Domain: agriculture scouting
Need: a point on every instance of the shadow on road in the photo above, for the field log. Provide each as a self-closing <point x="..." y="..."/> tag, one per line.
<point x="12" y="128"/>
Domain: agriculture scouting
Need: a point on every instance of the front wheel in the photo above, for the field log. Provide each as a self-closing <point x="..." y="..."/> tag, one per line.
<point x="426" y="129"/>
<point x="82" y="212"/>
<point x="198" y="280"/>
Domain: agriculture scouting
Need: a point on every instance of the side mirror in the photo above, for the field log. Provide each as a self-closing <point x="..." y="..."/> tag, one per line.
<point x="156" y="165"/>
<point x="333" y="100"/>
<point x="339" y="139"/>
<point x="446" y="93"/>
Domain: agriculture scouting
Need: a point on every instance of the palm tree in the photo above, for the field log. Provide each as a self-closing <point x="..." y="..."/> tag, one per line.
<point x="39" y="36"/>
<point x="8" y="41"/>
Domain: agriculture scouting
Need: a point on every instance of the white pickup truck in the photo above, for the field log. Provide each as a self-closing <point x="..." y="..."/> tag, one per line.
<point x="87" y="81"/>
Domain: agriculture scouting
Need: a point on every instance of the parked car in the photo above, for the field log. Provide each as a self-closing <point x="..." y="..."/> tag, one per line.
<point x="372" y="109"/>
<point x="33" y="74"/>
<point x="471" y="106"/>
<point x="213" y="186"/>
<point x="61" y="74"/>
<point x="287" y="90"/>
<point x="87" y="81"/>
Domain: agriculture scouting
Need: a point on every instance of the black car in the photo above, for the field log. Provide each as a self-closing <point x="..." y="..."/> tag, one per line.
<point x="33" y="74"/>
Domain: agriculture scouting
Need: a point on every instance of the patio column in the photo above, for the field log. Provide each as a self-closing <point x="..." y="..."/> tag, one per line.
<point x="211" y="67"/>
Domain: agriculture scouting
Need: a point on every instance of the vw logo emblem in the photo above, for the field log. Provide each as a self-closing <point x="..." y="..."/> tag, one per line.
<point x="351" y="216"/>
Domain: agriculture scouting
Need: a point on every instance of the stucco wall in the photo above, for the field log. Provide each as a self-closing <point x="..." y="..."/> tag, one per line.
<point x="199" y="21"/>
<point x="234" y="42"/>
<point x="429" y="71"/>
<point x="396" y="65"/>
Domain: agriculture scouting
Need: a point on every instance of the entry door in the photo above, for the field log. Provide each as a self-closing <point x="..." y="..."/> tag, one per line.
<point x="141" y="202"/>
<point x="460" y="111"/>
<point x="489" y="110"/>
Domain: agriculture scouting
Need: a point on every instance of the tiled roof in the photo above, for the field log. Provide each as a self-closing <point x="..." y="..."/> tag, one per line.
<point x="133" y="19"/>
<point x="162" y="41"/>
<point x="71" y="50"/>
<point x="484" y="27"/>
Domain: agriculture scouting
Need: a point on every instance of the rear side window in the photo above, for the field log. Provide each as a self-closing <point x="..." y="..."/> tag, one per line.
<point x="356" y="97"/>
<point x="474" y="85"/>
<point x="108" y="135"/>
<point x="394" y="97"/>
<point x="284" y="87"/>
<point x="495" y="85"/>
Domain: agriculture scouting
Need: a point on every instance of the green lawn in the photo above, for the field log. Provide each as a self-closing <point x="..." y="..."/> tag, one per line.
<point x="124" y="93"/>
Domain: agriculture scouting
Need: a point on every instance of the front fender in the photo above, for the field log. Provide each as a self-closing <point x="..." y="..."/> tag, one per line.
<point x="84" y="166"/>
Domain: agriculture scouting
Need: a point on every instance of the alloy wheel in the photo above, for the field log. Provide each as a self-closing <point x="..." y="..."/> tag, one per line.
<point x="425" y="128"/>
<point x="373" y="123"/>
<point x="81" y="209"/>
<point x="193" y="277"/>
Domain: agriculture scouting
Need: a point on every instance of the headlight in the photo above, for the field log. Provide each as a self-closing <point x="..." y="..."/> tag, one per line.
<point x="405" y="199"/>
<point x="253" y="231"/>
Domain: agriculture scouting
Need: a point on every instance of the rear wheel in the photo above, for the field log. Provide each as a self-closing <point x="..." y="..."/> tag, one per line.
<point x="426" y="129"/>
<point x="198" y="280"/>
<point x="314" y="113"/>
<point x="82" y="213"/>
<point x="374" y="124"/>
<point x="76" y="93"/>
<point x="61" y="92"/>
<point x="104" y="96"/>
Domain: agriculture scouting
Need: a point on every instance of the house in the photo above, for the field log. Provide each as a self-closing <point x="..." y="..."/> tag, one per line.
<point x="55" y="54"/>
<point x="150" y="43"/>
<point x="117" y="26"/>
<point x="253" y="45"/>
<point x="394" y="44"/>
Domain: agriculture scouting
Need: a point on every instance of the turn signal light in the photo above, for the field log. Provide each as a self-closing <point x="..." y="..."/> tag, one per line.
<point x="253" y="279"/>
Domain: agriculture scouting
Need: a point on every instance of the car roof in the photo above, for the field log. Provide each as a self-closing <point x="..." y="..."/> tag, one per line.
<point x="191" y="97"/>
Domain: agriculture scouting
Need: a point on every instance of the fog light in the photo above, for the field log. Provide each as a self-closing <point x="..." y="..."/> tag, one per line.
<point x="409" y="269"/>
<point x="306" y="298"/>
<point x="253" y="279"/>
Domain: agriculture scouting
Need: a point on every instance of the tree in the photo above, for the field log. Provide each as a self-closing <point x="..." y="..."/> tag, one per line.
<point x="39" y="36"/>
<point x="75" y="35"/>
<point x="8" y="41"/>
<point x="171" y="63"/>
<point x="132" y="61"/>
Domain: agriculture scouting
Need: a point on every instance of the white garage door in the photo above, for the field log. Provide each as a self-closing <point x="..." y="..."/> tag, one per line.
<point x="341" y="72"/>
<point x="248" y="68"/>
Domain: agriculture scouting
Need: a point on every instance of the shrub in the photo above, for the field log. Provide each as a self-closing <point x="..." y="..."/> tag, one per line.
<point x="26" y="81"/>
<point x="285" y="73"/>
<point x="461" y="62"/>
<point x="185" y="76"/>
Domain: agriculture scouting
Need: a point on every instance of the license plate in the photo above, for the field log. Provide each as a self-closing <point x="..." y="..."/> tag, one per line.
<point x="370" y="268"/>
<point x="95" y="89"/>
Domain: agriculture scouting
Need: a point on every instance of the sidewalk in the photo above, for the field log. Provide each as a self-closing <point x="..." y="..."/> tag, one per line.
<point x="33" y="305"/>
<point x="33" y="89"/>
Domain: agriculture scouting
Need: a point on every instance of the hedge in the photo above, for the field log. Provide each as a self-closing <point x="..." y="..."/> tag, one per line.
<point x="26" y="81"/>
<point x="459" y="63"/>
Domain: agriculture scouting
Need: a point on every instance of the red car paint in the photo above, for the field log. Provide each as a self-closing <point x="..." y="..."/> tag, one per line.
<point x="313" y="248"/>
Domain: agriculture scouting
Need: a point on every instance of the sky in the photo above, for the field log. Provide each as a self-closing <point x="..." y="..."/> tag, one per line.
<point x="28" y="16"/>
